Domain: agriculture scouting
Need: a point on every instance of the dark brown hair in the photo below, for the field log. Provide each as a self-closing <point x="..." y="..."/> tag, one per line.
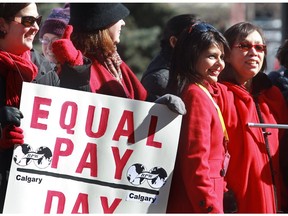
<point x="282" y="54"/>
<point x="175" y="26"/>
<point x="8" y="11"/>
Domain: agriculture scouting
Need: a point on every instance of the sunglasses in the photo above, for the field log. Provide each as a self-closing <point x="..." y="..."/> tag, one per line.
<point x="202" y="27"/>
<point x="28" y="21"/>
<point x="244" y="46"/>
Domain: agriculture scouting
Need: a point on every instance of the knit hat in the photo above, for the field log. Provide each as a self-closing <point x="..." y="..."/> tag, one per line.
<point x="88" y="17"/>
<point x="56" y="22"/>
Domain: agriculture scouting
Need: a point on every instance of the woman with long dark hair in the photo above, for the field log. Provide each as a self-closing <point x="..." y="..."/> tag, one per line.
<point x="202" y="158"/>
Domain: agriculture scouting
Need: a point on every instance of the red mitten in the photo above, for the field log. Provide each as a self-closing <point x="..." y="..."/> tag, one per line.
<point x="65" y="51"/>
<point x="11" y="135"/>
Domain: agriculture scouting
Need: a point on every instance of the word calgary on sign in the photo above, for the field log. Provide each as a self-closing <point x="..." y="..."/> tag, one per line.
<point x="91" y="153"/>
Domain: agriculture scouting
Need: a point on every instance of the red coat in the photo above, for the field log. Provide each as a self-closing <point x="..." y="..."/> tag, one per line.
<point x="101" y="81"/>
<point x="249" y="174"/>
<point x="197" y="186"/>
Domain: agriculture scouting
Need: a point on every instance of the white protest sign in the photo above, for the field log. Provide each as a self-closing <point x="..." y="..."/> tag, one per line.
<point x="91" y="153"/>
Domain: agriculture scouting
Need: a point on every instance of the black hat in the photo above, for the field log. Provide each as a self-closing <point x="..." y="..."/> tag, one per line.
<point x="87" y="17"/>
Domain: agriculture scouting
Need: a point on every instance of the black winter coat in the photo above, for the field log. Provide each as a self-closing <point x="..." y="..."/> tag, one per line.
<point x="155" y="78"/>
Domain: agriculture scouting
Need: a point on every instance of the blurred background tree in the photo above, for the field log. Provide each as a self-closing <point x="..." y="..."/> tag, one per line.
<point x="140" y="39"/>
<point x="44" y="9"/>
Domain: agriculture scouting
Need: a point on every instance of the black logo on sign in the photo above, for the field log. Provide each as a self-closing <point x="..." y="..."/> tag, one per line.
<point x="137" y="174"/>
<point x="24" y="155"/>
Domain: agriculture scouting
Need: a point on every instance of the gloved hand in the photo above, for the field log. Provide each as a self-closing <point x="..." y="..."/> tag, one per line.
<point x="173" y="102"/>
<point x="229" y="202"/>
<point x="10" y="116"/>
<point x="10" y="136"/>
<point x="65" y="51"/>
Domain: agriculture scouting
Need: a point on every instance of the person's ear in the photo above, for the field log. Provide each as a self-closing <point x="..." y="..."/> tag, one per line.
<point x="172" y="41"/>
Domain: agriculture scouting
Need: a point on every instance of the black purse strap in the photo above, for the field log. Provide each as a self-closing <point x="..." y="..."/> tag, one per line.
<point x="266" y="134"/>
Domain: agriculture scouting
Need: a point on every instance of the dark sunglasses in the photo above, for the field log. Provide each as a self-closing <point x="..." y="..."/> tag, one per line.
<point x="202" y="27"/>
<point x="245" y="46"/>
<point x="29" y="21"/>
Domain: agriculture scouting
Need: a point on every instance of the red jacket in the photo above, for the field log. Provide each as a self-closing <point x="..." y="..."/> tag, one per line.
<point x="101" y="81"/>
<point x="249" y="173"/>
<point x="197" y="186"/>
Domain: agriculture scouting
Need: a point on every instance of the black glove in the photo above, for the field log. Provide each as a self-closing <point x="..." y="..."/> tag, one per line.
<point x="173" y="102"/>
<point x="229" y="202"/>
<point x="10" y="116"/>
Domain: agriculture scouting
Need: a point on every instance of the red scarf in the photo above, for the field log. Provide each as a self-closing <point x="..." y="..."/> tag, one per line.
<point x="16" y="69"/>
